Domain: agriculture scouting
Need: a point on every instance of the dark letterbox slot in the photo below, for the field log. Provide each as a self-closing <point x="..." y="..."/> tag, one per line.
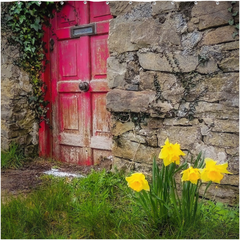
<point x="83" y="30"/>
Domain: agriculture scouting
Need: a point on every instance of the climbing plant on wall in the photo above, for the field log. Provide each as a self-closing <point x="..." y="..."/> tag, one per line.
<point x="232" y="21"/>
<point x="25" y="20"/>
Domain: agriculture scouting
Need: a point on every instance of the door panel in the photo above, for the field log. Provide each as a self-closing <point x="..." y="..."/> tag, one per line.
<point x="68" y="17"/>
<point x="100" y="118"/>
<point x="81" y="129"/>
<point x="69" y="107"/>
<point x="101" y="137"/>
<point x="99" y="56"/>
<point x="99" y="12"/>
<point x="76" y="155"/>
<point x="68" y="59"/>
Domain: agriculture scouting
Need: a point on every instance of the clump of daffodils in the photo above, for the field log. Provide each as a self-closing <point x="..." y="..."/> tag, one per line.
<point x="160" y="199"/>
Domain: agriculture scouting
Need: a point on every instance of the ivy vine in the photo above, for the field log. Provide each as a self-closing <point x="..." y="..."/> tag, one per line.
<point x="136" y="118"/>
<point x="232" y="21"/>
<point x="188" y="81"/>
<point x="25" y="20"/>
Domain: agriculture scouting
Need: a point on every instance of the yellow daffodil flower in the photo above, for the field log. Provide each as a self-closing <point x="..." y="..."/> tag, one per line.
<point x="213" y="172"/>
<point x="171" y="153"/>
<point x="191" y="174"/>
<point x="138" y="182"/>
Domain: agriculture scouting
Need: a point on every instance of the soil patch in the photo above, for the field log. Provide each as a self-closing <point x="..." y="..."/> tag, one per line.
<point x="27" y="178"/>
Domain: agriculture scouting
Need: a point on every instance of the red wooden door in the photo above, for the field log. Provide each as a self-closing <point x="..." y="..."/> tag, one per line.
<point x="79" y="52"/>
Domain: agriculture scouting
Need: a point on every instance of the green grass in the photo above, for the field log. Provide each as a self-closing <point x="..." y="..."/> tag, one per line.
<point x="100" y="206"/>
<point x="13" y="157"/>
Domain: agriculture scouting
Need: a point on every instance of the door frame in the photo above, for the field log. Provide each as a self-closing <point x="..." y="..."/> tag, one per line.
<point x="45" y="132"/>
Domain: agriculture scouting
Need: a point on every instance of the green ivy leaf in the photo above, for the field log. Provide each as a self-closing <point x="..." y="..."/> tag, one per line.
<point x="237" y="26"/>
<point x="32" y="12"/>
<point x="230" y="9"/>
<point x="36" y="26"/>
<point x="40" y="35"/>
<point x="41" y="55"/>
<point x="26" y="43"/>
<point x="17" y="10"/>
<point x="235" y="14"/>
<point x="231" y="22"/>
<point x="14" y="6"/>
<point x="235" y="34"/>
<point x="28" y="4"/>
<point x="26" y="49"/>
<point x="45" y="103"/>
<point x="33" y="99"/>
<point x="8" y="18"/>
<point x="22" y="18"/>
<point x="33" y="40"/>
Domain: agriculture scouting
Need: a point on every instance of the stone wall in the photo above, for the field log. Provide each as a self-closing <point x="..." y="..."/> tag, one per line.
<point x="18" y="122"/>
<point x="173" y="72"/>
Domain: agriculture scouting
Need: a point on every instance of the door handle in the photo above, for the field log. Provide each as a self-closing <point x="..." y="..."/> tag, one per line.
<point x="84" y="86"/>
